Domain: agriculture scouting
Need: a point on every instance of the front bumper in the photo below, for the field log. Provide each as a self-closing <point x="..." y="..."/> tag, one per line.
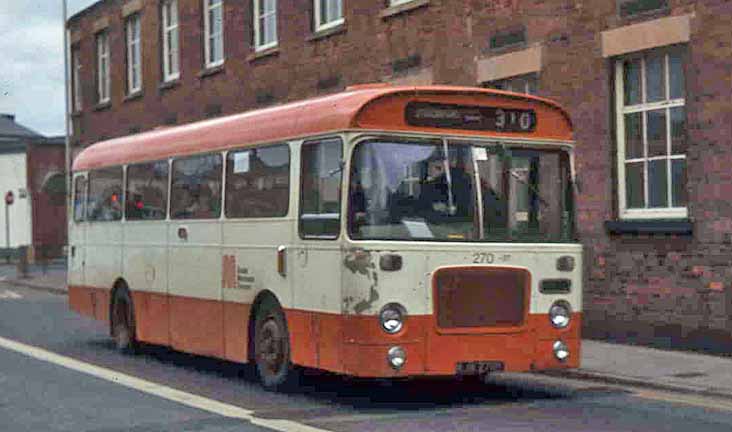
<point x="431" y="351"/>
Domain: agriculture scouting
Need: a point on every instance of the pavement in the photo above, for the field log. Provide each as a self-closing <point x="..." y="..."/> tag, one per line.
<point x="50" y="277"/>
<point x="677" y="371"/>
<point x="608" y="363"/>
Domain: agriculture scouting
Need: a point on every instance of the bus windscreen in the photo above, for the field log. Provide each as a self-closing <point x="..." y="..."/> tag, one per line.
<point x="428" y="190"/>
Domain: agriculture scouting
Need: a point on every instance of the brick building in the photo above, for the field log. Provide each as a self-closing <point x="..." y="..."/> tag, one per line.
<point x="648" y="84"/>
<point x="32" y="169"/>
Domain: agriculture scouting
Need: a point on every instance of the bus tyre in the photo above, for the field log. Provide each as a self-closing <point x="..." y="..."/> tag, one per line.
<point x="123" y="322"/>
<point x="272" y="347"/>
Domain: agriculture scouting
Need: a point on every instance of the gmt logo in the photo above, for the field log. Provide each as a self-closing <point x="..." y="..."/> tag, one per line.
<point x="234" y="276"/>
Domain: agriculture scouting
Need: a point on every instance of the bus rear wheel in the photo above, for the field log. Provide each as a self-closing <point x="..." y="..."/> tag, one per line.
<point x="123" y="322"/>
<point x="272" y="347"/>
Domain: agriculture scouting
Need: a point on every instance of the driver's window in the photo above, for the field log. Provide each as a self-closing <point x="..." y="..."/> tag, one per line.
<point x="320" y="190"/>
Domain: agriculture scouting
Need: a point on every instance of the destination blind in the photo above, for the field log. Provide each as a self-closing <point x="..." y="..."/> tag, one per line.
<point x="483" y="118"/>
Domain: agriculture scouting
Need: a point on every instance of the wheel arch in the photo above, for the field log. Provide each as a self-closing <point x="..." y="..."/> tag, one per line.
<point x="119" y="284"/>
<point x="261" y="297"/>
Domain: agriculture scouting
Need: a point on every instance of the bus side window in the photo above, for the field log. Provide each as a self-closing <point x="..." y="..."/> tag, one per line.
<point x="147" y="191"/>
<point x="80" y="199"/>
<point x="105" y="195"/>
<point x="258" y="182"/>
<point x="196" y="187"/>
<point x="320" y="188"/>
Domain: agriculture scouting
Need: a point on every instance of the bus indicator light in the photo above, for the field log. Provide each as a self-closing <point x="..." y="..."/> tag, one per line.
<point x="281" y="261"/>
<point x="397" y="356"/>
<point x="561" y="351"/>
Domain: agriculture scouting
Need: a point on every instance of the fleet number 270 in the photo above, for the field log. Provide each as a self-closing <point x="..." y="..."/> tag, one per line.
<point x="483" y="258"/>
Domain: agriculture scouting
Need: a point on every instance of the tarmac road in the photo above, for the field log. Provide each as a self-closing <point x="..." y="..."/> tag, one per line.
<point x="60" y="372"/>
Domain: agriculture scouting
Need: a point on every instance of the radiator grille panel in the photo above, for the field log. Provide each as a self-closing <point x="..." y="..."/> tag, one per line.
<point x="481" y="297"/>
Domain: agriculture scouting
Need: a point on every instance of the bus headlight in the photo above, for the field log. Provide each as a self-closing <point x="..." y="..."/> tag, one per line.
<point x="559" y="314"/>
<point x="392" y="317"/>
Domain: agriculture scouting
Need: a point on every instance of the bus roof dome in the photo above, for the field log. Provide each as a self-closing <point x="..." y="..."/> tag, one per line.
<point x="377" y="106"/>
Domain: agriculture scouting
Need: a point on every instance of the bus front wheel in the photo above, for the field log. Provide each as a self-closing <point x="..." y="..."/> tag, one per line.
<point x="272" y="347"/>
<point x="123" y="322"/>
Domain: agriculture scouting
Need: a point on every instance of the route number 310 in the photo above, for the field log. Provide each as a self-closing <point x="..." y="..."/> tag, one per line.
<point x="512" y="118"/>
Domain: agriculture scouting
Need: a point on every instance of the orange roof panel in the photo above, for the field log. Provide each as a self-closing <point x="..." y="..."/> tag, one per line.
<point x="363" y="107"/>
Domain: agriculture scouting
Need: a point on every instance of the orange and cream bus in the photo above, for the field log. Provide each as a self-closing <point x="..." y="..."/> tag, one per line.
<point x="378" y="232"/>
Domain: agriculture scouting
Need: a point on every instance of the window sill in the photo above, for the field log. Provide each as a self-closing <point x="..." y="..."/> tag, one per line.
<point x="404" y="7"/>
<point x="269" y="52"/>
<point x="167" y="85"/>
<point x="661" y="226"/>
<point x="327" y="32"/>
<point x="133" y="96"/>
<point x="77" y="113"/>
<point x="213" y="70"/>
<point x="102" y="106"/>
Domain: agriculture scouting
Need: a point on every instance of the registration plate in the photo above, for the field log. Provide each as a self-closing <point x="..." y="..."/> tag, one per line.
<point x="478" y="368"/>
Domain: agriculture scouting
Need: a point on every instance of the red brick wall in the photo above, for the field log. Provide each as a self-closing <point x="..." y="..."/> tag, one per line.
<point x="656" y="288"/>
<point x="363" y="53"/>
<point x="48" y="211"/>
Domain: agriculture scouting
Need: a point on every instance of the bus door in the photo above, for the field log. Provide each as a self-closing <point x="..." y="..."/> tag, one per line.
<point x="145" y="253"/>
<point x="194" y="255"/>
<point x="318" y="284"/>
<point x="77" y="232"/>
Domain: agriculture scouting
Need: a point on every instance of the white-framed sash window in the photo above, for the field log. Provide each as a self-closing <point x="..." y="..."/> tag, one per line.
<point x="265" y="24"/>
<point x="398" y="2"/>
<point x="328" y="13"/>
<point x="171" y="56"/>
<point x="651" y="135"/>
<point x="214" y="32"/>
<point x="134" y="54"/>
<point x="103" y="81"/>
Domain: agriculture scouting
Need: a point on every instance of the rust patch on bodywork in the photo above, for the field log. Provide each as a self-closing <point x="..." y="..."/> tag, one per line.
<point x="361" y="262"/>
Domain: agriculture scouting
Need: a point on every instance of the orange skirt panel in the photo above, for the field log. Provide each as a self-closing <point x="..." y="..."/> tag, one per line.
<point x="352" y="345"/>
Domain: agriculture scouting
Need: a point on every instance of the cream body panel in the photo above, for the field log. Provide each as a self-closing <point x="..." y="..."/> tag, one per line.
<point x="254" y="243"/>
<point x="194" y="268"/>
<point x="412" y="285"/>
<point x="103" y="254"/>
<point x="317" y="285"/>
<point x="145" y="256"/>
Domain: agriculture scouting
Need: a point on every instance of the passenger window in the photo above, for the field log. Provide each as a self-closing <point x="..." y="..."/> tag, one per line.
<point x="258" y="182"/>
<point x="147" y="191"/>
<point x="80" y="199"/>
<point x="196" y="187"/>
<point x="105" y="195"/>
<point x="320" y="191"/>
